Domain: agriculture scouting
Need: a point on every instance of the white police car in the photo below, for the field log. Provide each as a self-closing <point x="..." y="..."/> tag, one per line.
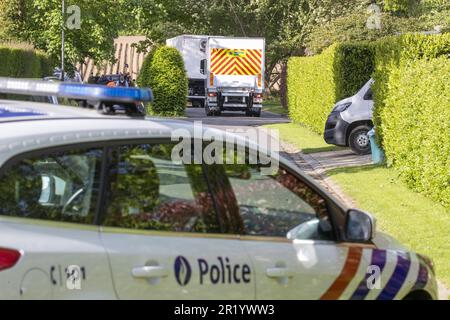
<point x="94" y="207"/>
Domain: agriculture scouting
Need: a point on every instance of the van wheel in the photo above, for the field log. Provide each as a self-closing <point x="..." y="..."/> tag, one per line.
<point x="359" y="140"/>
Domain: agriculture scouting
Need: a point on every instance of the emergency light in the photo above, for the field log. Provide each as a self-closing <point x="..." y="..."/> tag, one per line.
<point x="75" y="91"/>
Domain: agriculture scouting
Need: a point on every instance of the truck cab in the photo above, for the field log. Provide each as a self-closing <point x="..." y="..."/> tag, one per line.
<point x="350" y="120"/>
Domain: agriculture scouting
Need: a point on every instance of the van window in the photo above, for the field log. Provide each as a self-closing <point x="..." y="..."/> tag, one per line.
<point x="368" y="95"/>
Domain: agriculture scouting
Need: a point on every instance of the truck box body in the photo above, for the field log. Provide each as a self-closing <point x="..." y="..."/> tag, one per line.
<point x="231" y="70"/>
<point x="193" y="51"/>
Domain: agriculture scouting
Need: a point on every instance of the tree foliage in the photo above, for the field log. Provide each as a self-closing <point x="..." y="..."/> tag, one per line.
<point x="290" y="27"/>
<point x="284" y="24"/>
<point x="40" y="21"/>
<point x="395" y="17"/>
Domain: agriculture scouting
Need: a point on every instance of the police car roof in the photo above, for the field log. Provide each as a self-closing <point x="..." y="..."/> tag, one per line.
<point x="25" y="111"/>
<point x="11" y="110"/>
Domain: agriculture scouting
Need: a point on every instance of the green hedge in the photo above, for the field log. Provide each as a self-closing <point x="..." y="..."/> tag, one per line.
<point x="24" y="63"/>
<point x="412" y="110"/>
<point x="416" y="126"/>
<point x="165" y="74"/>
<point x="316" y="83"/>
<point x="394" y="52"/>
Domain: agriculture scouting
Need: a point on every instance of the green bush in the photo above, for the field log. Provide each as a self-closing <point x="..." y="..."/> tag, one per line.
<point x="412" y="110"/>
<point x="24" y="63"/>
<point x="416" y="126"/>
<point x="165" y="74"/>
<point x="393" y="52"/>
<point x="316" y="83"/>
<point x="143" y="78"/>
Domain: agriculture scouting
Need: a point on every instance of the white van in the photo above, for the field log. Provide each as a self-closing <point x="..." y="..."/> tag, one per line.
<point x="351" y="120"/>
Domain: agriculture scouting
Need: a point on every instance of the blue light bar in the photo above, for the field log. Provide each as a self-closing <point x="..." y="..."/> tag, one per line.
<point x="75" y="91"/>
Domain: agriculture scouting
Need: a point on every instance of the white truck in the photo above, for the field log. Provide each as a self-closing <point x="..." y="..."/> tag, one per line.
<point x="224" y="73"/>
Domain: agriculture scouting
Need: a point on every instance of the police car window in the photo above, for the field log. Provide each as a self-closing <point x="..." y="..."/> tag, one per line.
<point x="274" y="205"/>
<point x="148" y="191"/>
<point x="59" y="186"/>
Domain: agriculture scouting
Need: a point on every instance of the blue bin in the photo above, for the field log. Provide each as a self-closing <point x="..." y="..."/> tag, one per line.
<point x="377" y="152"/>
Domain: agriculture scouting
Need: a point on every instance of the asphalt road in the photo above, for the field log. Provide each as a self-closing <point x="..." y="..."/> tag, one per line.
<point x="234" y="119"/>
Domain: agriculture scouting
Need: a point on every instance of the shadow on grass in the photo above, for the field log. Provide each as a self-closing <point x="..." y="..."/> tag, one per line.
<point x="356" y="169"/>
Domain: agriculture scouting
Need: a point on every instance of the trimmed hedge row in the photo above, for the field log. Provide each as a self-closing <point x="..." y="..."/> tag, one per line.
<point x="415" y="122"/>
<point x="163" y="71"/>
<point x="316" y="83"/>
<point x="24" y="63"/>
<point x="412" y="110"/>
<point x="393" y="52"/>
<point x="412" y="100"/>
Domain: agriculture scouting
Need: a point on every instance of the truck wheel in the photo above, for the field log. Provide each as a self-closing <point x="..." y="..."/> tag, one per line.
<point x="209" y="112"/>
<point x="257" y="112"/>
<point x="359" y="140"/>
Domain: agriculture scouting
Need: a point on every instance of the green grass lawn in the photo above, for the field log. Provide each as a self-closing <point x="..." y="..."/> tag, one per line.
<point x="274" y="105"/>
<point x="416" y="221"/>
<point x="302" y="137"/>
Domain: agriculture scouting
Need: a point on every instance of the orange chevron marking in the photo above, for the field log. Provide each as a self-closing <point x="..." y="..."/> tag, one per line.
<point x="236" y="61"/>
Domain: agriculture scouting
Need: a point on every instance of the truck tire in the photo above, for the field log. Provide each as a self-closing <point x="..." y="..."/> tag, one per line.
<point x="257" y="112"/>
<point x="209" y="112"/>
<point x="358" y="140"/>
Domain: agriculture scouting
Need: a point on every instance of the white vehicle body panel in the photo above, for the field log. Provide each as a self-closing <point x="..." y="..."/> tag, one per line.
<point x="49" y="248"/>
<point x="309" y="269"/>
<point x="190" y="47"/>
<point x="128" y="251"/>
<point x="360" y="108"/>
<point x="301" y="265"/>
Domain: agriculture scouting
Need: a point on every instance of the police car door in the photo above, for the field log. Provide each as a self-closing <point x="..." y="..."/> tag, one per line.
<point x="288" y="233"/>
<point x="47" y="213"/>
<point x="163" y="233"/>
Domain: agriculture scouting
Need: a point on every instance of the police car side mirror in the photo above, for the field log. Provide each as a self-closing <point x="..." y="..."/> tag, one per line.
<point x="359" y="226"/>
